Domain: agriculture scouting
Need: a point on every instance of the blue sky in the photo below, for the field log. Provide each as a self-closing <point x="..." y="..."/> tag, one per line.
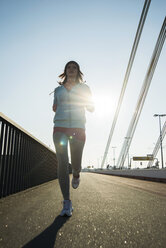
<point x="39" y="37"/>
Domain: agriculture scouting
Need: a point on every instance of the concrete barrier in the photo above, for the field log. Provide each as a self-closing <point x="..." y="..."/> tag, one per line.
<point x="158" y="175"/>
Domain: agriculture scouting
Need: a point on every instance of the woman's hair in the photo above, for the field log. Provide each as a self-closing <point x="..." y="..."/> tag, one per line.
<point x="63" y="76"/>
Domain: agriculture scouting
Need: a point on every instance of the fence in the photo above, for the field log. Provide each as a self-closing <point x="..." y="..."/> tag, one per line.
<point x="24" y="161"/>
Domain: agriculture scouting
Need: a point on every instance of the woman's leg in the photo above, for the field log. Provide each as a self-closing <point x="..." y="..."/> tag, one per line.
<point x="61" y="143"/>
<point x="76" y="149"/>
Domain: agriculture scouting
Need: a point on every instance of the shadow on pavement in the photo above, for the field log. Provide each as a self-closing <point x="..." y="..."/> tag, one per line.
<point x="48" y="237"/>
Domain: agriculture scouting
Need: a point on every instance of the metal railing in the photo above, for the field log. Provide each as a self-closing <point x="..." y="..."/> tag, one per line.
<point x="24" y="161"/>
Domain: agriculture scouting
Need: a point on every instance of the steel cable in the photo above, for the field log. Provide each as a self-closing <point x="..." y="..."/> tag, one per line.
<point x="157" y="146"/>
<point x="143" y="94"/>
<point x="128" y="70"/>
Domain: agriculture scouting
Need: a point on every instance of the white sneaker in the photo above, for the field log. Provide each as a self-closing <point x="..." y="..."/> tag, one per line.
<point x="75" y="182"/>
<point x="67" y="208"/>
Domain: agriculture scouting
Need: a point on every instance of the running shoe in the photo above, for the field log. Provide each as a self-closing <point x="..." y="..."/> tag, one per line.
<point x="67" y="208"/>
<point x="75" y="182"/>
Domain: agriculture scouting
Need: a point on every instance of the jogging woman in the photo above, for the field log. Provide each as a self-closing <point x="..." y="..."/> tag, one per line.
<point x="71" y="99"/>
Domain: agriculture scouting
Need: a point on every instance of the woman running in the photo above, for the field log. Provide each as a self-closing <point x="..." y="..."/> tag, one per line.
<point x="71" y="99"/>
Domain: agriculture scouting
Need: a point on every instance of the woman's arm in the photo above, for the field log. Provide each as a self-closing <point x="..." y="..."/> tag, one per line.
<point x="89" y="102"/>
<point x="54" y="107"/>
<point x="90" y="108"/>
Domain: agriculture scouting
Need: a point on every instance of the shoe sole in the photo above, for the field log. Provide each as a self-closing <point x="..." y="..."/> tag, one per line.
<point x="65" y="214"/>
<point x="75" y="187"/>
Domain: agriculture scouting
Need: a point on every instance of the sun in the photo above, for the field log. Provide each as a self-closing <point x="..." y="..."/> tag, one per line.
<point x="104" y="105"/>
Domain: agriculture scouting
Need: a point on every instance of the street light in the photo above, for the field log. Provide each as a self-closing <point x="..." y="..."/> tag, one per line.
<point x="114" y="147"/>
<point x="128" y="138"/>
<point x="161" y="146"/>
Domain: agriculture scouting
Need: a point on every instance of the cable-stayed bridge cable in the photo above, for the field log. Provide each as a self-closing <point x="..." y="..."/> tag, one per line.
<point x="143" y="94"/>
<point x="157" y="146"/>
<point x="128" y="70"/>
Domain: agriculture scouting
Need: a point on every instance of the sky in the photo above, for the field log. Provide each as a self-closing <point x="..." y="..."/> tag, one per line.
<point x="39" y="37"/>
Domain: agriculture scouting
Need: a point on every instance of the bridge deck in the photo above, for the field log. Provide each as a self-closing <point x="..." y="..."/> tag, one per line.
<point x="108" y="212"/>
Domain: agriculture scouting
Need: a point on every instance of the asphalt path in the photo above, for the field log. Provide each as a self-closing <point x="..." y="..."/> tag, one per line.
<point x="109" y="212"/>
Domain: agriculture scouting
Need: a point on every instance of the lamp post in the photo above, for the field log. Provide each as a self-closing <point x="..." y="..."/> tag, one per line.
<point x="161" y="146"/>
<point x="127" y="138"/>
<point x="114" y="147"/>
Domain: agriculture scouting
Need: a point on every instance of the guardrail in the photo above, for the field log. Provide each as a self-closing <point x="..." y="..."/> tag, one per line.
<point x="24" y="161"/>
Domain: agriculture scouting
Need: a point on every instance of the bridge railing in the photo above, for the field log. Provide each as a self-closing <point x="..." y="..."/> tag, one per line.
<point x="24" y="161"/>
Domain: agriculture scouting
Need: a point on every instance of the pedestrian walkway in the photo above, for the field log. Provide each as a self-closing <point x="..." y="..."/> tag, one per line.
<point x="108" y="212"/>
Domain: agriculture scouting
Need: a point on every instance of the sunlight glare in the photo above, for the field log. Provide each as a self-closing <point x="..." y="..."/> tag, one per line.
<point x="104" y="105"/>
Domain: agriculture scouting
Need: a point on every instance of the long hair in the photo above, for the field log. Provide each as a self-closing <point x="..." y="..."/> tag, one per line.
<point x="63" y="76"/>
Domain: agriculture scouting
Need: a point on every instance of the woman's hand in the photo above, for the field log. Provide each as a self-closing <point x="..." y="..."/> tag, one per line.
<point x="54" y="107"/>
<point x="90" y="108"/>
